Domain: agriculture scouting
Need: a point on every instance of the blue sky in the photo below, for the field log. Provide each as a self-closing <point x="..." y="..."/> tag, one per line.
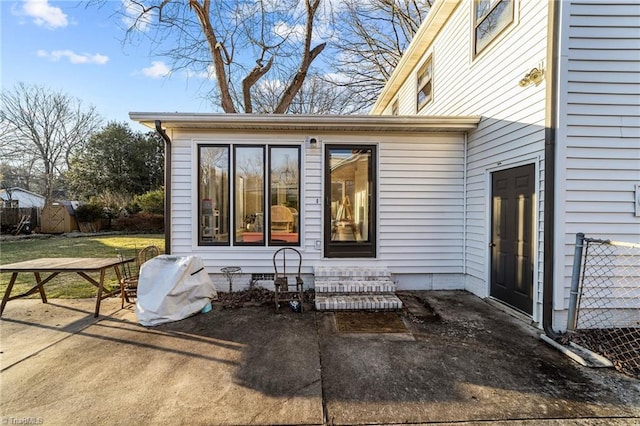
<point x="78" y="50"/>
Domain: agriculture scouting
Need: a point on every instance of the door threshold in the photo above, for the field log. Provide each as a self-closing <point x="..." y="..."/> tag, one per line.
<point x="511" y="310"/>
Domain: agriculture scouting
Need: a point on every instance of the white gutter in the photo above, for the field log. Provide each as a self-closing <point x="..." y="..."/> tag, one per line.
<point x="285" y="122"/>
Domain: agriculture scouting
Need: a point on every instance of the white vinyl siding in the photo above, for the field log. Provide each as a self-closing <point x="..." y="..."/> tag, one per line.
<point x="511" y="132"/>
<point x="598" y="138"/>
<point x="599" y="135"/>
<point x="419" y="206"/>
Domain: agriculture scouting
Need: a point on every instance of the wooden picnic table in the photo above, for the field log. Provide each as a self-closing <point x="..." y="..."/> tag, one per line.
<point x="56" y="265"/>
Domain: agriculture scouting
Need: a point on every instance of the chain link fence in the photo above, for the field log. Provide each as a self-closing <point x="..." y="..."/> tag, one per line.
<point x="604" y="311"/>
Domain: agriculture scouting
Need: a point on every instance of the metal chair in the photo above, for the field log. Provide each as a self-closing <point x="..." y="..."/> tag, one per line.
<point x="287" y="280"/>
<point x="131" y="273"/>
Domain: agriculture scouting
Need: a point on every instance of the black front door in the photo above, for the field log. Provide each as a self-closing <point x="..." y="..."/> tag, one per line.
<point x="350" y="194"/>
<point x="512" y="240"/>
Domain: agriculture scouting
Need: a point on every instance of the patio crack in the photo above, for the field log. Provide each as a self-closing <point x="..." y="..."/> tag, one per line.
<point x="325" y="412"/>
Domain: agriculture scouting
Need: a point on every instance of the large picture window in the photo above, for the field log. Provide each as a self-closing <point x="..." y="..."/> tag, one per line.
<point x="491" y="17"/>
<point x="250" y="199"/>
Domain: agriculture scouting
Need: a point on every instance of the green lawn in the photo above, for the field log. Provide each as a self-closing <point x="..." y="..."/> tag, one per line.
<point x="70" y="286"/>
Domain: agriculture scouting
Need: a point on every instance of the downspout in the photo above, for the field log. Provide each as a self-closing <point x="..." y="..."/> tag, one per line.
<point x="553" y="55"/>
<point x="464" y="205"/>
<point x="167" y="186"/>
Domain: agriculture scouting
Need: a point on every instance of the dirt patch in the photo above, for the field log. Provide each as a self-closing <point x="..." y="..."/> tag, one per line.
<point x="369" y="322"/>
<point x="417" y="310"/>
<point x="255" y="296"/>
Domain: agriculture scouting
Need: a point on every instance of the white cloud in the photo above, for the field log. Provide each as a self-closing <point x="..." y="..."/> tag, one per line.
<point x="44" y="15"/>
<point x="158" y="69"/>
<point x="292" y="32"/>
<point x="208" y="74"/>
<point x="272" y="86"/>
<point x="296" y="33"/>
<point x="337" y="77"/>
<point x="134" y="15"/>
<point x="74" y="58"/>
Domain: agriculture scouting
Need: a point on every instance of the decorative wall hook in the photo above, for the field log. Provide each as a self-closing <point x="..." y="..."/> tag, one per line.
<point x="534" y="76"/>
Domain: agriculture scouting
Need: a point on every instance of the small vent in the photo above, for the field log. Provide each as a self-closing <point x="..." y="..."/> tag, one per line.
<point x="261" y="277"/>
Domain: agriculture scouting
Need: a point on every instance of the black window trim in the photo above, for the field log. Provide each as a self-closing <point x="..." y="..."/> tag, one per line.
<point x="270" y="243"/>
<point x="264" y="200"/>
<point x="199" y="207"/>
<point x="231" y="190"/>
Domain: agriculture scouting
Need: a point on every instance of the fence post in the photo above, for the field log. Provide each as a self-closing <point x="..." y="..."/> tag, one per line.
<point x="575" y="283"/>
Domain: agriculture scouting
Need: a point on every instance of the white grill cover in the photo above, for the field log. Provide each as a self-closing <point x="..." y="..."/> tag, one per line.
<point x="171" y="288"/>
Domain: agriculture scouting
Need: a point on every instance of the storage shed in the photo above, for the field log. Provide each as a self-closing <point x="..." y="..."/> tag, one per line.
<point x="58" y="217"/>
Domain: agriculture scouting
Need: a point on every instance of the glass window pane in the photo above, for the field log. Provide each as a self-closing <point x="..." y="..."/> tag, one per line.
<point x="249" y="195"/>
<point x="284" y="190"/>
<point x="395" y="108"/>
<point x="424" y="84"/>
<point x="495" y="21"/>
<point x="350" y="194"/>
<point x="213" y="190"/>
<point x="482" y="7"/>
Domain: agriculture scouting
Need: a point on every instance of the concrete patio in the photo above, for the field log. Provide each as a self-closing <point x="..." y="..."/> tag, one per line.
<point x="461" y="360"/>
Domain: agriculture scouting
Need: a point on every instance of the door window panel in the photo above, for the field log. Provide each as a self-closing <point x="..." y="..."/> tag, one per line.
<point x="350" y="195"/>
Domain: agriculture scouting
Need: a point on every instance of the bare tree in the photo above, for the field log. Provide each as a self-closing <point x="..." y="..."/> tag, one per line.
<point x="42" y="129"/>
<point x="316" y="96"/>
<point x="239" y="43"/>
<point x="372" y="36"/>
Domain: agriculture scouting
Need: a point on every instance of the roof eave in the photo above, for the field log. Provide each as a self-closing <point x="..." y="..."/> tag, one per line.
<point x="422" y="40"/>
<point x="317" y="123"/>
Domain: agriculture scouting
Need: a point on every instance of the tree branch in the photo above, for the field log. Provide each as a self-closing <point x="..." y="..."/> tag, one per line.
<point x="256" y="74"/>
<point x="307" y="58"/>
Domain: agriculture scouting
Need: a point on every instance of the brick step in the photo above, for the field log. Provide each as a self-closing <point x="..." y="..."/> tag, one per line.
<point x="358" y="302"/>
<point x="355" y="286"/>
<point x="322" y="272"/>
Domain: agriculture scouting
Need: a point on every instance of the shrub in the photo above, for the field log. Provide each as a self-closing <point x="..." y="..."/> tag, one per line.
<point x="91" y="212"/>
<point x="140" y="222"/>
<point x="151" y="202"/>
<point x="114" y="203"/>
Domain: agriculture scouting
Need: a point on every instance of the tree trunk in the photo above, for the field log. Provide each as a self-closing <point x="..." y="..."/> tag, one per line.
<point x="202" y="12"/>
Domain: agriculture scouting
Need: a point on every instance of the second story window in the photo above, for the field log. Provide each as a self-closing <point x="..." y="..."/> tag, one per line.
<point x="490" y="18"/>
<point x="424" y="84"/>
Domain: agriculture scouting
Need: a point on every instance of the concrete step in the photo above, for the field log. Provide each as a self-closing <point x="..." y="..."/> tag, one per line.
<point x="322" y="272"/>
<point x="358" y="302"/>
<point x="384" y="285"/>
